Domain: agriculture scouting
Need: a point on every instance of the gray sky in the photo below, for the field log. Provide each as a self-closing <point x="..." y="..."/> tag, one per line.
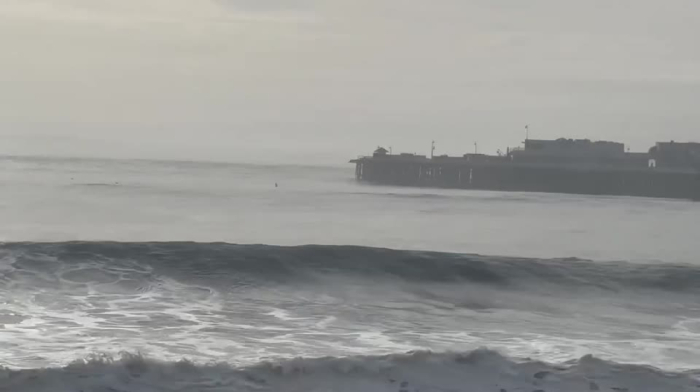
<point x="322" y="81"/>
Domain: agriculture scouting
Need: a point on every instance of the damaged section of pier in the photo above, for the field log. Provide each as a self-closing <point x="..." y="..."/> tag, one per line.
<point x="667" y="170"/>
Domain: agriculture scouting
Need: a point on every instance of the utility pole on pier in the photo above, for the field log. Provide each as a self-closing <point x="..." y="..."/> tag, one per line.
<point x="527" y="132"/>
<point x="432" y="150"/>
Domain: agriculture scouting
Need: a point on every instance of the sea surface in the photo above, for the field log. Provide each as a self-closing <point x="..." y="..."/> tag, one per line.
<point x="137" y="275"/>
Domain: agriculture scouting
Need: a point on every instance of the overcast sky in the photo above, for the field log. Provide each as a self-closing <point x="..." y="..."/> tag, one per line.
<point x="323" y="81"/>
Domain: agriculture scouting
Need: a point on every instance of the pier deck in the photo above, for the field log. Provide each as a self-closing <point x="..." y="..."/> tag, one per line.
<point x="503" y="174"/>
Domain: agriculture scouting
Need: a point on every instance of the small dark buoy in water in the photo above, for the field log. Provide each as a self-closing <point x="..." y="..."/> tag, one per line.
<point x="276" y="185"/>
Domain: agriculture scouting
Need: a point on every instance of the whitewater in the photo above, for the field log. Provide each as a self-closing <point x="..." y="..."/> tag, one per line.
<point x="185" y="276"/>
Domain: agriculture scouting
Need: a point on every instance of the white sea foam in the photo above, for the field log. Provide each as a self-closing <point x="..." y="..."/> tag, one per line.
<point x="242" y="304"/>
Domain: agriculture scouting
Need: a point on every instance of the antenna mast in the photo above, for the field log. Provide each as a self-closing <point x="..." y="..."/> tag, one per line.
<point x="527" y="132"/>
<point x="432" y="150"/>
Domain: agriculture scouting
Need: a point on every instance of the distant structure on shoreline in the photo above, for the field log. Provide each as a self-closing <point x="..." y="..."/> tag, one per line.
<point x="578" y="166"/>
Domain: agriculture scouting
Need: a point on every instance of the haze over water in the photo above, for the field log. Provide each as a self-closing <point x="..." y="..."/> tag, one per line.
<point x="316" y="82"/>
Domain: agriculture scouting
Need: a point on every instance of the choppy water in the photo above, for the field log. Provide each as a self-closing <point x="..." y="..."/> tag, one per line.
<point x="82" y="279"/>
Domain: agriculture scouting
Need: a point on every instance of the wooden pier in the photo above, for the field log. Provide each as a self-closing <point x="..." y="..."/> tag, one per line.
<point x="504" y="173"/>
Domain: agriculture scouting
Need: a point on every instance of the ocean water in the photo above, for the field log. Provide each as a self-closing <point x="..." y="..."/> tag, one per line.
<point x="185" y="276"/>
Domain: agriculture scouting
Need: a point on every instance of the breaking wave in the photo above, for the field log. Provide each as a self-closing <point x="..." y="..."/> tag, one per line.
<point x="477" y="371"/>
<point x="242" y="303"/>
<point x="293" y="264"/>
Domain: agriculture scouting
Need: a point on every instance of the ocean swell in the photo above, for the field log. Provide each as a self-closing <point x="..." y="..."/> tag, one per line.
<point x="478" y="371"/>
<point x="295" y="264"/>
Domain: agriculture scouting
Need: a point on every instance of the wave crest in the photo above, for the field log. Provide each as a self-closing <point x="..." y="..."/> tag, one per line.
<point x="478" y="371"/>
